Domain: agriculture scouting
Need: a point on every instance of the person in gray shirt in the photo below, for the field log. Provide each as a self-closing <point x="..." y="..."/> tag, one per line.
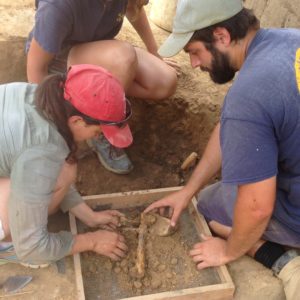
<point x="89" y="29"/>
<point x="39" y="132"/>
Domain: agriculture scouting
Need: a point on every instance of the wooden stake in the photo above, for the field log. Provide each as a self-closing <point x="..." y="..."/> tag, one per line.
<point x="189" y="161"/>
<point x="140" y="257"/>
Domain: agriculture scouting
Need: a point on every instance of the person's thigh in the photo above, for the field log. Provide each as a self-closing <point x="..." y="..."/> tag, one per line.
<point x="117" y="57"/>
<point x="142" y="74"/>
<point x="154" y="79"/>
<point x="4" y="196"/>
<point x="216" y="202"/>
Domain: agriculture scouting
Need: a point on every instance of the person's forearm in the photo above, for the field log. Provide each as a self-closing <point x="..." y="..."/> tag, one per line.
<point x="208" y="166"/>
<point x="84" y="213"/>
<point x="142" y="27"/>
<point x="82" y="242"/>
<point x="38" y="61"/>
<point x="36" y="74"/>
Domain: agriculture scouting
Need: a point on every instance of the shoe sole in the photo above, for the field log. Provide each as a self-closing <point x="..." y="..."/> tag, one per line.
<point x="41" y="266"/>
<point x="107" y="167"/>
<point x="27" y="265"/>
<point x="103" y="162"/>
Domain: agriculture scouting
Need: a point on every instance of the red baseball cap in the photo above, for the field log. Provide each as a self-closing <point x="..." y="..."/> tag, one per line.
<point x="96" y="93"/>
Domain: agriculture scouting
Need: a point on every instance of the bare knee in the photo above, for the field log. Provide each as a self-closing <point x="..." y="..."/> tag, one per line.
<point x="125" y="56"/>
<point x="168" y="84"/>
<point x="4" y="196"/>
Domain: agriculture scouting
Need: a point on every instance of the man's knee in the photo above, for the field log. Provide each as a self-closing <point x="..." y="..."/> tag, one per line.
<point x="168" y="84"/>
<point x="126" y="56"/>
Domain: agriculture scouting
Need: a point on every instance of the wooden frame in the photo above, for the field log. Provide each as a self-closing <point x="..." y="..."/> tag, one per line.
<point x="223" y="290"/>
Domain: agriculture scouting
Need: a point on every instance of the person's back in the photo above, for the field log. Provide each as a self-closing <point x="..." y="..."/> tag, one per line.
<point x="64" y="23"/>
<point x="22" y="127"/>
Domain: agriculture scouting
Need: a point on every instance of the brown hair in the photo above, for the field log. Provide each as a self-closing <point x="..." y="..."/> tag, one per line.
<point x="50" y="103"/>
<point x="237" y="26"/>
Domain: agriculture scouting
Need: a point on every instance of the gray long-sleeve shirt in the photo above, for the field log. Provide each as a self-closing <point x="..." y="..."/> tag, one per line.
<point x="32" y="153"/>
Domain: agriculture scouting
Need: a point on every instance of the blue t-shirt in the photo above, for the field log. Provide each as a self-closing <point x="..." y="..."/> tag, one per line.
<point x="63" y="23"/>
<point x="260" y="122"/>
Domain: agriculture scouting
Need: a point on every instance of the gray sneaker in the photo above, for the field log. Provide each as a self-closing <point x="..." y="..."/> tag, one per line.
<point x="112" y="158"/>
<point x="284" y="259"/>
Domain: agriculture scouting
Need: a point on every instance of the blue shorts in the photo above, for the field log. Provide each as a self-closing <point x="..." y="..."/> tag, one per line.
<point x="216" y="202"/>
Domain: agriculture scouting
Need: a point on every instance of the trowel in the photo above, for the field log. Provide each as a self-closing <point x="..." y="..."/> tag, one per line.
<point x="14" y="283"/>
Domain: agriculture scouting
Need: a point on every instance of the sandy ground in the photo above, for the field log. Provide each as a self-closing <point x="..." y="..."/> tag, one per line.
<point x="164" y="134"/>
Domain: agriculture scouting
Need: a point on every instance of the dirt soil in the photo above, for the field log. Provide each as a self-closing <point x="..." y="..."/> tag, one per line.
<point x="167" y="264"/>
<point x="165" y="133"/>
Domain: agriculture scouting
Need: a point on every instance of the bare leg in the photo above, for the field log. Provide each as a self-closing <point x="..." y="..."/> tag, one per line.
<point x="142" y="74"/>
<point x="66" y="177"/>
<point x="4" y="195"/>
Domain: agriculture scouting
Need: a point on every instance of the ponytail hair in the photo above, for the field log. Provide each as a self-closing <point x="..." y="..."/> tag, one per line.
<point x="50" y="103"/>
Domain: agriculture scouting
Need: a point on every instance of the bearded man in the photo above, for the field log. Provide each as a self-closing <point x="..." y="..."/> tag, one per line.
<point x="255" y="209"/>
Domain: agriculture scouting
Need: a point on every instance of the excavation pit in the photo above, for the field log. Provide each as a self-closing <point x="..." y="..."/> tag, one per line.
<point x="169" y="271"/>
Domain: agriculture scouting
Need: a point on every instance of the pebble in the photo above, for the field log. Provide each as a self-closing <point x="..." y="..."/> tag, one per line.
<point x="155" y="283"/>
<point x="155" y="264"/>
<point x="161" y="268"/>
<point x="108" y="265"/>
<point x="132" y="272"/>
<point x="174" y="261"/>
<point x="146" y="282"/>
<point x="137" y="284"/>
<point x="92" y="268"/>
<point x="124" y="263"/>
<point x="117" y="270"/>
<point x="169" y="275"/>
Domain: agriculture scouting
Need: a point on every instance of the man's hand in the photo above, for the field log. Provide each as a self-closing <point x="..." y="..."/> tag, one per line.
<point x="108" y="243"/>
<point x="210" y="252"/>
<point x="176" y="202"/>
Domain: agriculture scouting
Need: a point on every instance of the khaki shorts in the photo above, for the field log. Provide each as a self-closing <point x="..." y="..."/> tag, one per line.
<point x="2" y="235"/>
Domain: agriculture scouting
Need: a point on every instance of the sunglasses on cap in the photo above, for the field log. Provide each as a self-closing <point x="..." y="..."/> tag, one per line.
<point x="119" y="124"/>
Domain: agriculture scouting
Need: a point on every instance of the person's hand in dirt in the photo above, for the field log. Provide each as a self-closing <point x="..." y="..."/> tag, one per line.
<point x="110" y="244"/>
<point x="103" y="242"/>
<point x="211" y="252"/>
<point x="175" y="203"/>
<point x="107" y="219"/>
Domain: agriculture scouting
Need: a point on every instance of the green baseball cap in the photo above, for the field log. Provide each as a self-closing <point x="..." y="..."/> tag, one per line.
<point x="192" y="15"/>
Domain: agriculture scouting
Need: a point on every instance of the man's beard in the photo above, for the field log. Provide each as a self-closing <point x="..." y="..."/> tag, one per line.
<point x="221" y="71"/>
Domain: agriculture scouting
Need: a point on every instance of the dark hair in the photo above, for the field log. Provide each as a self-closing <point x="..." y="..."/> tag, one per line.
<point x="50" y="103"/>
<point x="237" y="26"/>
